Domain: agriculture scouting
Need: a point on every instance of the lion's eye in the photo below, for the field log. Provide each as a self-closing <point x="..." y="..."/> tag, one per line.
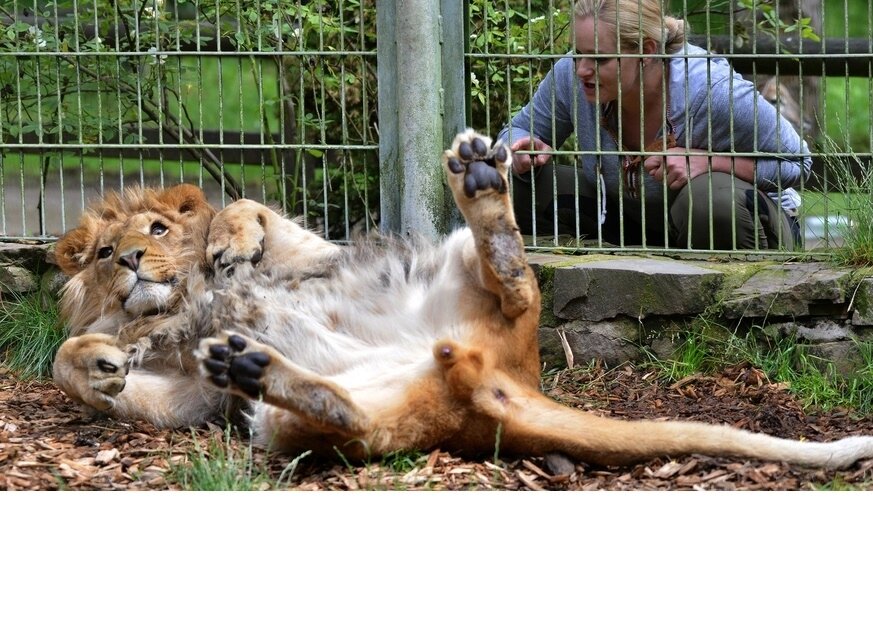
<point x="158" y="229"/>
<point x="104" y="252"/>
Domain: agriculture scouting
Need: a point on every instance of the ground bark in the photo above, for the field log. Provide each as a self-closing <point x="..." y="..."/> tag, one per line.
<point x="49" y="442"/>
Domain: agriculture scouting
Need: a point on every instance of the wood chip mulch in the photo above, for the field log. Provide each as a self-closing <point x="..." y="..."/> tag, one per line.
<point x="49" y="442"/>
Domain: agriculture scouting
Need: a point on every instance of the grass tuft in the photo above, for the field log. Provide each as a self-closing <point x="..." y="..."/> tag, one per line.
<point x="403" y="461"/>
<point x="30" y="334"/>
<point x="812" y="379"/>
<point x="227" y="464"/>
<point x="854" y="177"/>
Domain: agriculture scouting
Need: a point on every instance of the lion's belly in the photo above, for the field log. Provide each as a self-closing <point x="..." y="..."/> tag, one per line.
<point x="366" y="323"/>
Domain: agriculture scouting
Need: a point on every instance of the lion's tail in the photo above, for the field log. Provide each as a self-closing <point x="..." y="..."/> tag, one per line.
<point x="532" y="423"/>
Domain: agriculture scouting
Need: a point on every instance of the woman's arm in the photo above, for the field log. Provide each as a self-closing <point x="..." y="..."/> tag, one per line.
<point x="687" y="164"/>
<point x="732" y="116"/>
<point x="549" y="116"/>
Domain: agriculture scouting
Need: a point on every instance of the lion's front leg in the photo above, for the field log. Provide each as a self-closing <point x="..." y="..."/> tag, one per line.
<point x="93" y="370"/>
<point x="249" y="233"/>
<point x="477" y="176"/>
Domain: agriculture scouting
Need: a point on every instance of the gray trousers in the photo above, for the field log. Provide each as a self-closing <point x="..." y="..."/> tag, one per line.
<point x="742" y="217"/>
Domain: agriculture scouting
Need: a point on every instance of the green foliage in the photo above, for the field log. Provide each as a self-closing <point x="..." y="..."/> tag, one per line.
<point x="104" y="72"/>
<point x="854" y="178"/>
<point x="403" y="461"/>
<point x="839" y="483"/>
<point x="529" y="32"/>
<point x="30" y="334"/>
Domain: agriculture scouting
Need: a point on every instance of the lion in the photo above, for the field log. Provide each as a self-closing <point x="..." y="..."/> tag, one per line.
<point x="180" y="314"/>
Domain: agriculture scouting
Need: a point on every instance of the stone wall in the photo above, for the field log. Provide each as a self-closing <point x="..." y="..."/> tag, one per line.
<point x="23" y="265"/>
<point x="618" y="308"/>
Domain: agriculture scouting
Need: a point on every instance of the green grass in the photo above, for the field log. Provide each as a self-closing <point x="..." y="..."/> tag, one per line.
<point x="840" y="484"/>
<point x="403" y="461"/>
<point x="816" y="381"/>
<point x="227" y="464"/>
<point x="30" y="334"/>
<point x="857" y="246"/>
<point x="843" y="98"/>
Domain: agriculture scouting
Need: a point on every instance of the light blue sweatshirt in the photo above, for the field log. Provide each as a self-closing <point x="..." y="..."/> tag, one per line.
<point x="712" y="109"/>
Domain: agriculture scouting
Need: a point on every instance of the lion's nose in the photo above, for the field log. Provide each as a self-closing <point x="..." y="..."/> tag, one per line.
<point x="131" y="259"/>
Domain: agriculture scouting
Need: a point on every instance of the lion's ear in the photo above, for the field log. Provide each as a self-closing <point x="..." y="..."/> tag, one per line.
<point x="73" y="250"/>
<point x="187" y="199"/>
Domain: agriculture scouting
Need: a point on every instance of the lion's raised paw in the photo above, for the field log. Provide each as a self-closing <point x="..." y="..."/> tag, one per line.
<point x="477" y="164"/>
<point x="236" y="236"/>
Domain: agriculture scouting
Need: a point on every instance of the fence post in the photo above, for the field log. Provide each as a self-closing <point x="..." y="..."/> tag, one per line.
<point x="413" y="124"/>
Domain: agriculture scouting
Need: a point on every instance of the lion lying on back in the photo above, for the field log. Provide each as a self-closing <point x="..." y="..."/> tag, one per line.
<point x="179" y="314"/>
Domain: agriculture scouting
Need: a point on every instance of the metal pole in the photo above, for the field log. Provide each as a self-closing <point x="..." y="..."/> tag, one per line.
<point x="413" y="140"/>
<point x="455" y="72"/>
<point x="389" y="164"/>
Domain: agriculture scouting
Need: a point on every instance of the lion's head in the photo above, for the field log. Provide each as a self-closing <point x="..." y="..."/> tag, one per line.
<point x="128" y="254"/>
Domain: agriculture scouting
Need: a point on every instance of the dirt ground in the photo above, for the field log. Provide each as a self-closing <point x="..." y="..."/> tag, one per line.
<point x="49" y="442"/>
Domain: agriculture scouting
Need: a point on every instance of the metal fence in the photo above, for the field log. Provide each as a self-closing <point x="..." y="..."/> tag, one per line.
<point x="291" y="102"/>
<point x="267" y="99"/>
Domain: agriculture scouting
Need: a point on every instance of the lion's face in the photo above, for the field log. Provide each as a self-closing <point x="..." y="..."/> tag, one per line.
<point x="129" y="253"/>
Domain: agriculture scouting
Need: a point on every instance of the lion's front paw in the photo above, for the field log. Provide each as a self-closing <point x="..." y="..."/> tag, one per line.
<point x="227" y="364"/>
<point x="236" y="236"/>
<point x="474" y="165"/>
<point x="92" y="370"/>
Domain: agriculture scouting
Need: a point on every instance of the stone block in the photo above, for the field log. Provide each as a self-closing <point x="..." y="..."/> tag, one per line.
<point x="632" y="287"/>
<point x="861" y="303"/>
<point x="790" y="290"/>
<point x="16" y="279"/>
<point x="610" y="342"/>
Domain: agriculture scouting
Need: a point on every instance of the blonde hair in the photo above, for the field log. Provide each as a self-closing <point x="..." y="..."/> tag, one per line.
<point x="634" y="21"/>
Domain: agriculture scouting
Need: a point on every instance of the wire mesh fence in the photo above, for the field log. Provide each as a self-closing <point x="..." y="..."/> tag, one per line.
<point x="276" y="100"/>
<point x="272" y="100"/>
<point x="811" y="59"/>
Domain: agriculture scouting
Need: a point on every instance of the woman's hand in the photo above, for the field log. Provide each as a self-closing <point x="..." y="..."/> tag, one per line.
<point x="687" y="164"/>
<point x="523" y="162"/>
<point x="678" y="169"/>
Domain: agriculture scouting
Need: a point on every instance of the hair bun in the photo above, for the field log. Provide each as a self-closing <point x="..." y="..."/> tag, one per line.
<point x="674" y="30"/>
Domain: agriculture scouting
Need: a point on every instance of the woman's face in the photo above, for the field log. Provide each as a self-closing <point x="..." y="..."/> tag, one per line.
<point x="600" y="77"/>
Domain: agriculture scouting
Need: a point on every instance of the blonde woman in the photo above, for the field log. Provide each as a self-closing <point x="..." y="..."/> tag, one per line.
<point x="661" y="119"/>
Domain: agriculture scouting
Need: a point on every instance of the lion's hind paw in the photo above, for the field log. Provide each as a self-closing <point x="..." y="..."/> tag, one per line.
<point x="483" y="165"/>
<point x="228" y="365"/>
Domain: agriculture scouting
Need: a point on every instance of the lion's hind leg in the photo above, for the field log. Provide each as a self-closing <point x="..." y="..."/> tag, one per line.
<point x="259" y="372"/>
<point x="477" y="175"/>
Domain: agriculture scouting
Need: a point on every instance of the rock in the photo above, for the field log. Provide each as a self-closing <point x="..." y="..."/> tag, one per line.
<point x="559" y="465"/>
<point x="612" y="342"/>
<point x="52" y="281"/>
<point x="861" y="303"/>
<point x="790" y="290"/>
<point x="16" y="279"/>
<point x="632" y="287"/>
<point x="32" y="255"/>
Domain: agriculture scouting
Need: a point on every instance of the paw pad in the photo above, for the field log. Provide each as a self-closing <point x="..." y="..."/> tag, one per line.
<point x="227" y="365"/>
<point x="483" y="167"/>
